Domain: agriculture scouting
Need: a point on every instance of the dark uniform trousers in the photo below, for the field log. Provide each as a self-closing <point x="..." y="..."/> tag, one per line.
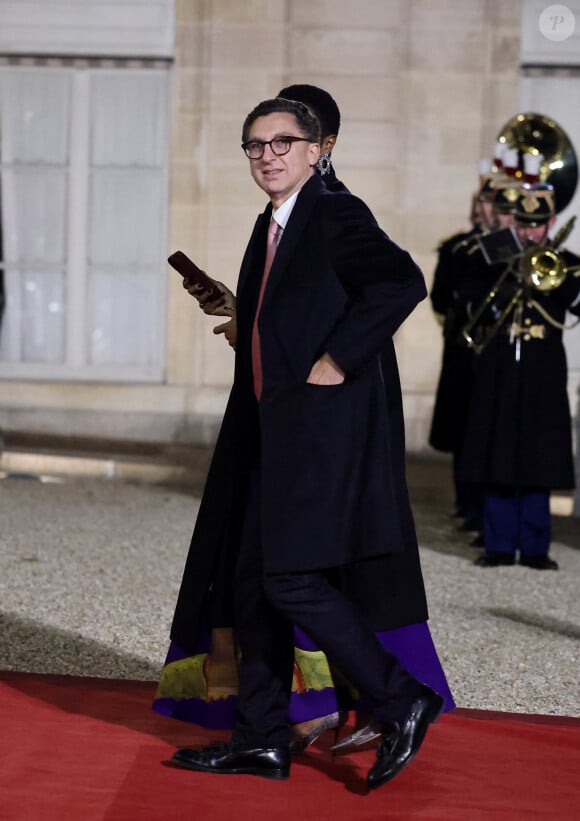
<point x="517" y="521"/>
<point x="266" y="608"/>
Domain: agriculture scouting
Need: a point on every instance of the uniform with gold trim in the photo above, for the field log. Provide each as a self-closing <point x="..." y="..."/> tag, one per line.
<point x="453" y="269"/>
<point x="518" y="440"/>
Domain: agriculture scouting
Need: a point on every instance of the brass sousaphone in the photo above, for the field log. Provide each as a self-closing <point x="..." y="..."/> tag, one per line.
<point x="537" y="134"/>
<point x="540" y="268"/>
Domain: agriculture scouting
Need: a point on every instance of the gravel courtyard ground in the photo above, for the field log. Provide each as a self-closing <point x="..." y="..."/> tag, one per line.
<point x="90" y="569"/>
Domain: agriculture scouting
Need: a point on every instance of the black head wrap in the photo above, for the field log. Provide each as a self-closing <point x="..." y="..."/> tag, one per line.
<point x="320" y="102"/>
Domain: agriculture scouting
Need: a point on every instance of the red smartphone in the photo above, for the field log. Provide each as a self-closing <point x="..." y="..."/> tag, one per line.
<point x="190" y="271"/>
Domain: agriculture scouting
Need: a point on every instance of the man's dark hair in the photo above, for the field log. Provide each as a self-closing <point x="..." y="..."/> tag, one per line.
<point x="306" y="121"/>
<point x="320" y="102"/>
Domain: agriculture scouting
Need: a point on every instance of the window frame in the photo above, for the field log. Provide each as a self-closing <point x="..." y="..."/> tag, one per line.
<point x="75" y="367"/>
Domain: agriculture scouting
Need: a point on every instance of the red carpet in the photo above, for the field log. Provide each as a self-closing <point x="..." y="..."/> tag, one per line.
<point x="91" y="749"/>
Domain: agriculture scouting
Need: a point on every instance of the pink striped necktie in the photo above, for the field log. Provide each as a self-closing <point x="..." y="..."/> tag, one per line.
<point x="271" y="245"/>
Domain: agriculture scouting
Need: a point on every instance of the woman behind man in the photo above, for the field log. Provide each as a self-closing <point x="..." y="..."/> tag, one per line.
<point x="199" y="680"/>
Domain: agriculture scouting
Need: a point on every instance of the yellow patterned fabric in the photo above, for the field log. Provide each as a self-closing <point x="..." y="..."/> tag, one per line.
<point x="184" y="679"/>
<point x="311" y="671"/>
<point x="187" y="678"/>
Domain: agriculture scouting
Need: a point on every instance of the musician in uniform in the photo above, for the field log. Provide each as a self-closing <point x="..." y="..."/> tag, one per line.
<point x="454" y="263"/>
<point x="518" y="441"/>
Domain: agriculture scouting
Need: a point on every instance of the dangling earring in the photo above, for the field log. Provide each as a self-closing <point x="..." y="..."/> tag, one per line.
<point x="324" y="164"/>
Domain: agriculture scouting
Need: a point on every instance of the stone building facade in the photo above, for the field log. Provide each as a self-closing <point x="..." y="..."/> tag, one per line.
<point x="423" y="86"/>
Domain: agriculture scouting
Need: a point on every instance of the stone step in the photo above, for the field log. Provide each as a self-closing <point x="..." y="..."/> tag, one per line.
<point x="58" y="458"/>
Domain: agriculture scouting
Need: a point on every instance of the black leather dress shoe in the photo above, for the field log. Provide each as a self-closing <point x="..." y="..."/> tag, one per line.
<point x="495" y="560"/>
<point x="539" y="562"/>
<point x="269" y="762"/>
<point x="399" y="746"/>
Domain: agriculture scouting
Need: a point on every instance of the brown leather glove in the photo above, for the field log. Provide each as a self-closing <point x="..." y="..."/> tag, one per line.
<point x="230" y="330"/>
<point x="219" y="302"/>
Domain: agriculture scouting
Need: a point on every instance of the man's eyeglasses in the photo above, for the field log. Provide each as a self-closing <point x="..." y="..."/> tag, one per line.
<point x="254" y="149"/>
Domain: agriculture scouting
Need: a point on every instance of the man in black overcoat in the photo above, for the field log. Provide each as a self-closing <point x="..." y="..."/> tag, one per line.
<point x="304" y="443"/>
<point x="390" y="589"/>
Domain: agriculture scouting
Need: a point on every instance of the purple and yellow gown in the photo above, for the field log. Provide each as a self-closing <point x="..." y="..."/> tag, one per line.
<point x="201" y="688"/>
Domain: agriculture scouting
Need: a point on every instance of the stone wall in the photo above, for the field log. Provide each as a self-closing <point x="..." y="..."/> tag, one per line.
<point x="423" y="86"/>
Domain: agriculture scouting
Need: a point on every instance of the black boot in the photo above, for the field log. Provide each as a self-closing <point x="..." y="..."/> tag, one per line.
<point x="495" y="560"/>
<point x="538" y="562"/>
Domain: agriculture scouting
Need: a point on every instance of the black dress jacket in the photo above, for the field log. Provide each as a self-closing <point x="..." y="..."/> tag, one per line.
<point x="453" y="392"/>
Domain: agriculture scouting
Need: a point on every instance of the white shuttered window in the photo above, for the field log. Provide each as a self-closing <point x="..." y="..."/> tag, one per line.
<point x="83" y="165"/>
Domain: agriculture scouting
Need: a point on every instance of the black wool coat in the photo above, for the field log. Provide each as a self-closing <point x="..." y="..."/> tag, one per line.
<point x="454" y="385"/>
<point x="519" y="428"/>
<point x="332" y="476"/>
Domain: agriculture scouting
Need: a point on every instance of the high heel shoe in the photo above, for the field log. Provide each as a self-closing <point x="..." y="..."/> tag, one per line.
<point x="301" y="740"/>
<point x="359" y="740"/>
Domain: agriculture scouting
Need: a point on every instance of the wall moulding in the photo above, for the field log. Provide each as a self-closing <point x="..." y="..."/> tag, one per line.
<point x="143" y="28"/>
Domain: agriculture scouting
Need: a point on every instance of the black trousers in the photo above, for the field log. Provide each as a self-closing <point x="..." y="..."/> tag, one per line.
<point x="267" y="606"/>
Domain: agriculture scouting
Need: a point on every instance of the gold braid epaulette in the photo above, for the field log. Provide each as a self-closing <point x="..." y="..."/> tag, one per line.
<point x="465" y="243"/>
